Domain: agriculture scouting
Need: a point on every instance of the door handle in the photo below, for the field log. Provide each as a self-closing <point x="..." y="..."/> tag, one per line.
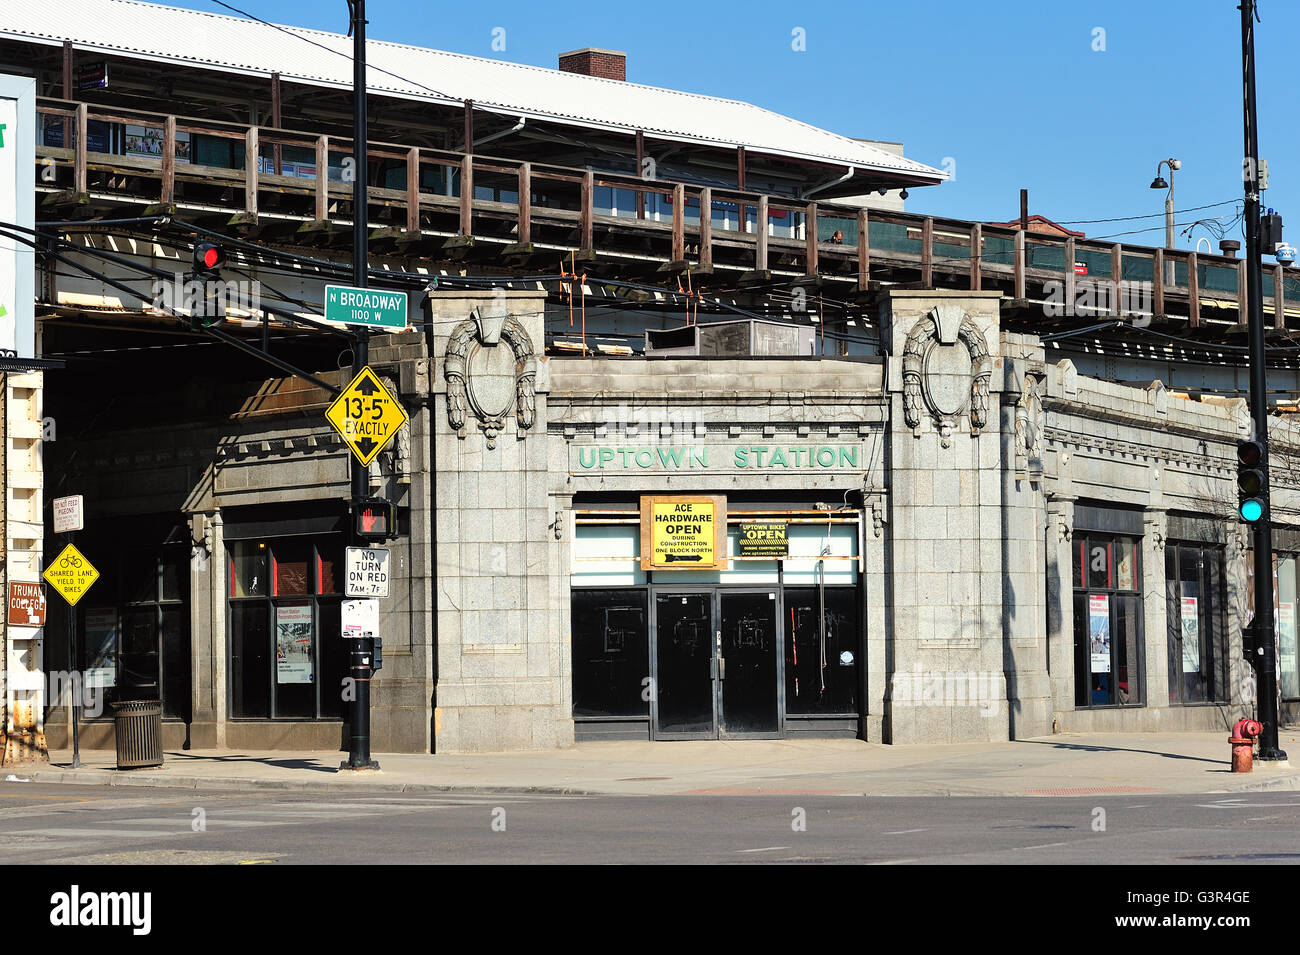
<point x="722" y="668"/>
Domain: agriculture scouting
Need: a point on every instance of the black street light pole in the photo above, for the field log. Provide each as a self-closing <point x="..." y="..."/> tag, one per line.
<point x="1263" y="533"/>
<point x="360" y="650"/>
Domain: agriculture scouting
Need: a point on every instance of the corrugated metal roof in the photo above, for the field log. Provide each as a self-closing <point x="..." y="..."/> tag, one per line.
<point x="168" y="34"/>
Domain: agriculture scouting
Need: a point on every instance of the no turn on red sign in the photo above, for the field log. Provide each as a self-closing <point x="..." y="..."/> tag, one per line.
<point x="368" y="571"/>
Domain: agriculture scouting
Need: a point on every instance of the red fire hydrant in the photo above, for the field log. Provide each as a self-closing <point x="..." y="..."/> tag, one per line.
<point x="1243" y="744"/>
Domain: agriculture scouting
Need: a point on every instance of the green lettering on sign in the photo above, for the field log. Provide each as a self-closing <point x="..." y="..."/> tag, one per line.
<point x="742" y="458"/>
<point x="377" y="308"/>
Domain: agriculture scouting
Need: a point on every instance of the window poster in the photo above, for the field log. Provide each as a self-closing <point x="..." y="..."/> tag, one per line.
<point x="101" y="647"/>
<point x="1126" y="567"/>
<point x="148" y="141"/>
<point x="293" y="662"/>
<point x="1287" y="657"/>
<point x="1099" y="632"/>
<point x="1191" y="636"/>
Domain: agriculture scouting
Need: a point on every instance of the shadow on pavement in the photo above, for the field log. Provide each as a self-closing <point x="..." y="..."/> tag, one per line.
<point x="311" y="764"/>
<point x="1092" y="748"/>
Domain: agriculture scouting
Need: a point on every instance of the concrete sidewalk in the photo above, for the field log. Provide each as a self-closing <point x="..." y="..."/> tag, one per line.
<point x="1063" y="765"/>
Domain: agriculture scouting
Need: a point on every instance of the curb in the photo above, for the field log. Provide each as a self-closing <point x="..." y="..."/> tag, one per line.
<point x="1289" y="783"/>
<point x="121" y="779"/>
<point x="133" y="778"/>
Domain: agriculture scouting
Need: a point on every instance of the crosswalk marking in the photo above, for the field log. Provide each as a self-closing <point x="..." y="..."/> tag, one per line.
<point x="99" y="833"/>
<point x="237" y="817"/>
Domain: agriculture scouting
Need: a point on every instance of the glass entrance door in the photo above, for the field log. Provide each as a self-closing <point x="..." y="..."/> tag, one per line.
<point x="717" y="671"/>
<point x="748" y="668"/>
<point x="685" y="699"/>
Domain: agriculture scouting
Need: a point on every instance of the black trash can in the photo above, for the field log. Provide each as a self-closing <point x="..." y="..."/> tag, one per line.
<point x="137" y="724"/>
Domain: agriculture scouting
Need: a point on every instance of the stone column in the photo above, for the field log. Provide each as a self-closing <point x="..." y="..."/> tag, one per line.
<point x="946" y="581"/>
<point x="1155" y="616"/>
<point x="501" y="659"/>
<point x="207" y="631"/>
<point x="1059" y="550"/>
<point x="876" y="586"/>
<point x="1024" y="610"/>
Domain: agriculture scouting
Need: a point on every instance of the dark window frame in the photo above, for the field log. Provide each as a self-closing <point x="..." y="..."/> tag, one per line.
<point x="176" y="706"/>
<point x="1083" y="587"/>
<point x="1213" y="639"/>
<point x="268" y="601"/>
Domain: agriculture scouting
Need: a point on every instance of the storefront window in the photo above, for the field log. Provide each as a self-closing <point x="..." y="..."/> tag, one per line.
<point x="717" y="653"/>
<point x="817" y="680"/>
<point x="286" y="660"/>
<point x="1288" y="664"/>
<point x="610" y="653"/>
<point x="1197" y="628"/>
<point x="1107" y="621"/>
<point x="134" y="638"/>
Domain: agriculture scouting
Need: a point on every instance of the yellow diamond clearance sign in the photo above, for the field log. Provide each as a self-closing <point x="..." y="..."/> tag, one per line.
<point x="367" y="415"/>
<point x="684" y="533"/>
<point x="71" y="574"/>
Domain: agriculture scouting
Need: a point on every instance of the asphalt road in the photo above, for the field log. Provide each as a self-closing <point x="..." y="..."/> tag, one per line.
<point x="111" y="825"/>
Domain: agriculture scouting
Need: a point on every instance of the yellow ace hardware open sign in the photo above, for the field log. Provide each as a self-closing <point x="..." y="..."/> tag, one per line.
<point x="684" y="533"/>
<point x="367" y="415"/>
<point x="71" y="574"/>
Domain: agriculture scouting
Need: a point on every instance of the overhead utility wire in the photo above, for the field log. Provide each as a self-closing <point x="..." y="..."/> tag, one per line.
<point x="129" y="264"/>
<point x="214" y="332"/>
<point x="328" y="49"/>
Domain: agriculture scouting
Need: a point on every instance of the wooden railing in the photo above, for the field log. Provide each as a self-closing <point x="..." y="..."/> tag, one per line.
<point x="437" y="198"/>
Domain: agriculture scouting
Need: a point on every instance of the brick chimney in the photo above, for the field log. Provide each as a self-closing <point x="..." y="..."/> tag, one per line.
<point x="607" y="64"/>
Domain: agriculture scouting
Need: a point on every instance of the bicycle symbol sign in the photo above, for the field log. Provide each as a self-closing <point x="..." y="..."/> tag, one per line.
<point x="71" y="574"/>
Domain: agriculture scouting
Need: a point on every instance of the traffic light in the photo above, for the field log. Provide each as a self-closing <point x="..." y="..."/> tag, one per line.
<point x="1270" y="231"/>
<point x="1252" y="482"/>
<point x="1250" y="643"/>
<point x="209" y="259"/>
<point x="376" y="519"/>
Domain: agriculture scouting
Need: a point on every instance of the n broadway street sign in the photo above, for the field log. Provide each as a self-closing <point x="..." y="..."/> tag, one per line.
<point x="376" y="308"/>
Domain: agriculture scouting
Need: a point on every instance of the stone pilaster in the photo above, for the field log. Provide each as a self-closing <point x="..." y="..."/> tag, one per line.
<point x="1024" y="601"/>
<point x="947" y="682"/>
<point x="208" y="650"/>
<point x="502" y="678"/>
<point x="876" y="585"/>
<point x="1155" y="617"/>
<point x="1058" y="546"/>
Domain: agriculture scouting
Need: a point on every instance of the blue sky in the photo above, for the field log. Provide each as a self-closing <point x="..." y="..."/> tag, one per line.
<point x="1012" y="92"/>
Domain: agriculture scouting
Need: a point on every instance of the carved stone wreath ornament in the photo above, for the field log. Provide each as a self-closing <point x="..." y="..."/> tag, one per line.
<point x="491" y="371"/>
<point x="945" y="380"/>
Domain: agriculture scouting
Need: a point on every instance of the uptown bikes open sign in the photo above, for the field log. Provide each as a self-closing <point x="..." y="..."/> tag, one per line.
<point x="684" y="533"/>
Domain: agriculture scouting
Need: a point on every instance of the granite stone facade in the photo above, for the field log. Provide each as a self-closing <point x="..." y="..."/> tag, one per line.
<point x="965" y="453"/>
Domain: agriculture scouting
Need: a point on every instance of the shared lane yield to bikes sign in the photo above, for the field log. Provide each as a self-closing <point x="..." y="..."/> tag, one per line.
<point x="71" y="574"/>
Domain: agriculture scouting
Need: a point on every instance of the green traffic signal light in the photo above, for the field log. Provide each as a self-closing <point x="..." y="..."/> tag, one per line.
<point x="1252" y="481"/>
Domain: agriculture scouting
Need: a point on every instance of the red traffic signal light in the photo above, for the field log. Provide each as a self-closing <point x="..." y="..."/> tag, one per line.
<point x="208" y="258"/>
<point x="376" y="519"/>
